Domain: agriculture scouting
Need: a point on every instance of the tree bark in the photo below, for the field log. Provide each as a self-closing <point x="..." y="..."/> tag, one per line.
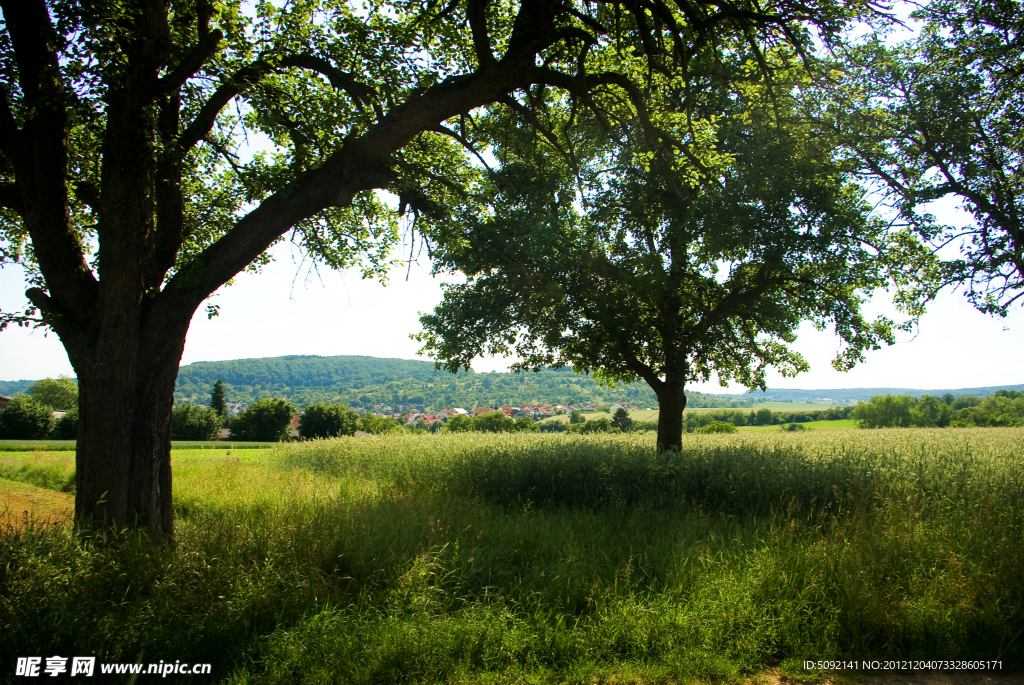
<point x="123" y="458"/>
<point x="671" y="403"/>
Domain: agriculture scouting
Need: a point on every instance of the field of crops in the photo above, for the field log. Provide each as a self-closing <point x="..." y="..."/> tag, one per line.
<point x="543" y="558"/>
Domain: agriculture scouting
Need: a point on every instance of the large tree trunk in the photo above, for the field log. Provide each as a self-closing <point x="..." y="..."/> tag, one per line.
<point x="671" y="403"/>
<point x="123" y="459"/>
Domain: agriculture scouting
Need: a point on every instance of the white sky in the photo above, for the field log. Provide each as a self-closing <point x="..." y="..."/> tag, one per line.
<point x="265" y="316"/>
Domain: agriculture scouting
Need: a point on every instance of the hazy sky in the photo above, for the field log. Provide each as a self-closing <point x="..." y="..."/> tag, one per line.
<point x="267" y="315"/>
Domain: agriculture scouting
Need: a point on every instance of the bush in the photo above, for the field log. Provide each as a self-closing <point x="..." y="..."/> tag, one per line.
<point x="458" y="424"/>
<point x="66" y="427"/>
<point x="495" y="422"/>
<point x="327" y="421"/>
<point x="576" y="417"/>
<point x="717" y="427"/>
<point x="378" y="425"/>
<point x="192" y="422"/>
<point x="266" y="420"/>
<point x="596" y="426"/>
<point x="793" y="427"/>
<point x="25" y="419"/>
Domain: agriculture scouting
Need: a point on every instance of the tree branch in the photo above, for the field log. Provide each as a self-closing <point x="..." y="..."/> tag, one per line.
<point x="190" y="63"/>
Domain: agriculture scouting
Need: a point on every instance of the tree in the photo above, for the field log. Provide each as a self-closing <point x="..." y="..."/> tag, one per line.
<point x="327" y="421"/>
<point x="885" y="411"/>
<point x="60" y="393"/>
<point x="679" y="267"/>
<point x="622" y="421"/>
<point x="126" y="193"/>
<point x="66" y="427"/>
<point x="191" y="422"/>
<point x="217" y="401"/>
<point x="939" y="116"/>
<point x="576" y="417"/>
<point x="25" y="419"/>
<point x="265" y="420"/>
<point x="378" y="425"/>
<point x="459" y="424"/>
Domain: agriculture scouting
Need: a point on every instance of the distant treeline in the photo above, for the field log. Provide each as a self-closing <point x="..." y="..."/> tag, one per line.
<point x="1003" y="408"/>
<point x="762" y="417"/>
<point x="406" y="385"/>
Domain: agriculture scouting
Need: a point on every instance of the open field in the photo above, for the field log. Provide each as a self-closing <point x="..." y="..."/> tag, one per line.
<point x="841" y="424"/>
<point x="791" y="406"/>
<point x="69" y="445"/>
<point x="479" y="558"/>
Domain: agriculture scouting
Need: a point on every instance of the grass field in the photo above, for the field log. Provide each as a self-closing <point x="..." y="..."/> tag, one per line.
<point x="69" y="445"/>
<point x="477" y="558"/>
<point x="841" y="424"/>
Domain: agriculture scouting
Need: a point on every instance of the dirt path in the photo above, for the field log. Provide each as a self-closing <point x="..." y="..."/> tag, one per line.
<point x="22" y="505"/>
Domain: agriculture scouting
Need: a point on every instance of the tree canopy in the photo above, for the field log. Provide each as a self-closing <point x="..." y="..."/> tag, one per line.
<point x="940" y="116"/>
<point x="670" y="268"/>
<point x="60" y="393"/>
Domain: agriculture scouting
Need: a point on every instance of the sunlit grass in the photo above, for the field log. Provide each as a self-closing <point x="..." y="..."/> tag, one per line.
<point x="548" y="558"/>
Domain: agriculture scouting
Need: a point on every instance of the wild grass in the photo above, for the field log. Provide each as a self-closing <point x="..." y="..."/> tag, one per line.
<point x="70" y="445"/>
<point x="548" y="558"/>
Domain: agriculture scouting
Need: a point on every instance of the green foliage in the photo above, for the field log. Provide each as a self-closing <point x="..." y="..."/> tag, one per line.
<point x="266" y="420"/>
<point x="410" y="384"/>
<point x="793" y="427"/>
<point x="25" y="419"/>
<point x="327" y="421"/>
<point x="60" y="393"/>
<point x="494" y="422"/>
<point x="668" y="268"/>
<point x="191" y="422"/>
<point x="378" y="425"/>
<point x="622" y="421"/>
<point x="218" y="403"/>
<point x="1005" y="408"/>
<point x="460" y="424"/>
<point x="66" y="427"/>
<point x="939" y="116"/>
<point x="576" y="417"/>
<point x="885" y="411"/>
<point x="716" y="427"/>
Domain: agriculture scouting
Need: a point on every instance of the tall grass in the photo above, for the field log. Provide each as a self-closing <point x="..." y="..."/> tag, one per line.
<point x="551" y="558"/>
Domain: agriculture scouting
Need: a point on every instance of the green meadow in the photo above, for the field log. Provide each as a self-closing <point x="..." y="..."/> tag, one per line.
<point x="525" y="558"/>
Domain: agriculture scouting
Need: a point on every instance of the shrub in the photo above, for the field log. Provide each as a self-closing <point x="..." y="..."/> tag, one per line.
<point x="596" y="426"/>
<point x="266" y="420"/>
<point x="495" y="422"/>
<point x="717" y="427"/>
<point x="793" y="427"/>
<point x="322" y="420"/>
<point x="25" y="419"/>
<point x="192" y="422"/>
<point x="458" y="424"/>
<point x="378" y="425"/>
<point x="66" y="427"/>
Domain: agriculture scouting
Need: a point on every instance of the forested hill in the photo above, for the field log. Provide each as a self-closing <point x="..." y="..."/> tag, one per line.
<point x="406" y="383"/>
